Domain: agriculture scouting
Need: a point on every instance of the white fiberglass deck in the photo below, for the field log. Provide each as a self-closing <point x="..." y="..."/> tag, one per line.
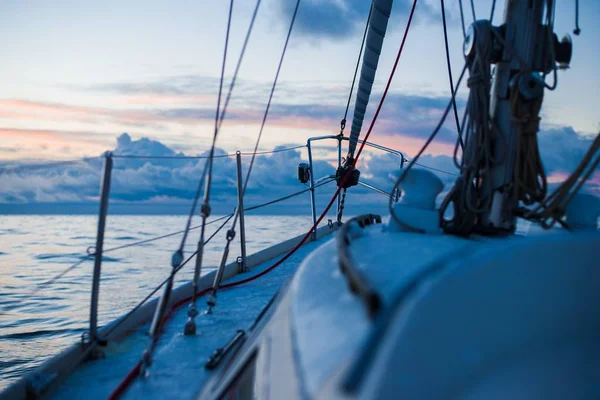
<point x="178" y="363"/>
<point x="324" y="307"/>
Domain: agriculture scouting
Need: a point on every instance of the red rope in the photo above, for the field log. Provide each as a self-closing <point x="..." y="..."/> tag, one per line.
<point x="135" y="371"/>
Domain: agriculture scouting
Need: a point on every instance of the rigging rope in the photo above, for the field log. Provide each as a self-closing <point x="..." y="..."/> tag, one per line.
<point x="493" y="10"/>
<point x="141" y="303"/>
<point x="347" y="175"/>
<point x="90" y="254"/>
<point x="552" y="209"/>
<point x="266" y="114"/>
<point x="205" y="210"/>
<point x="471" y="193"/>
<point x="473" y="11"/>
<point x="362" y="45"/>
<point x="231" y="232"/>
<point x="458" y="130"/>
<point x="177" y="257"/>
<point x="577" y="30"/>
<point x="135" y="371"/>
<point x="414" y="160"/>
<point x="219" y="121"/>
<point x="340" y="212"/>
<point x="137" y="243"/>
<point x="530" y="183"/>
<point x="462" y="18"/>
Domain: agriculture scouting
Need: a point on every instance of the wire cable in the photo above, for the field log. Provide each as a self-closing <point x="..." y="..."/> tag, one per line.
<point x="211" y="301"/>
<point x="462" y="18"/>
<point x="32" y="167"/>
<point x="436" y="169"/>
<point x="458" y="130"/>
<point x="266" y="113"/>
<point x="141" y="303"/>
<point x="362" y="45"/>
<point x="90" y="254"/>
<point x="577" y="30"/>
<point x="289" y="196"/>
<point x="493" y="10"/>
<point x="414" y="160"/>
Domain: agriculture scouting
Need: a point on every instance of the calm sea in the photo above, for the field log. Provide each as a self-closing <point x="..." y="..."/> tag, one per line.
<point x="38" y="322"/>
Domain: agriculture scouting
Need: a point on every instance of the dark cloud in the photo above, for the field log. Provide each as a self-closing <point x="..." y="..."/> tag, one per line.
<point x="340" y="19"/>
<point x="562" y="148"/>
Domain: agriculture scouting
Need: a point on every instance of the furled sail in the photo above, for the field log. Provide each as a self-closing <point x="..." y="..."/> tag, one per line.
<point x="380" y="14"/>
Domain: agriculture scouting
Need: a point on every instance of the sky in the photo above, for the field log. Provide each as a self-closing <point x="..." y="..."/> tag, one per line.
<point x="77" y="74"/>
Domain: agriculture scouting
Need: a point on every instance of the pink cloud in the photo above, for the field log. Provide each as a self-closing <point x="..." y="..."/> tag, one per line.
<point x="158" y="100"/>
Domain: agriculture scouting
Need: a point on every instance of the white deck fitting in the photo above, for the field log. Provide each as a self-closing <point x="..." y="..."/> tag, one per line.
<point x="178" y="368"/>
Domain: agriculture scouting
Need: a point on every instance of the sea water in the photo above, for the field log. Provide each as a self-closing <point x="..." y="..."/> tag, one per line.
<point x="38" y="320"/>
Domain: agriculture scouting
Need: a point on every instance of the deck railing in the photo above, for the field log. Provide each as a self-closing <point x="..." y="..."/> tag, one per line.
<point x="395" y="195"/>
<point x="97" y="252"/>
<point x="314" y="184"/>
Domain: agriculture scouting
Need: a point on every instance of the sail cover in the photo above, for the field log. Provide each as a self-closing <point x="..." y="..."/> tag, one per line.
<point x="377" y="27"/>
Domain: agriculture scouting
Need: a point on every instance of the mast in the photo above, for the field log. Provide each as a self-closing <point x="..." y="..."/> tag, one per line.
<point x="501" y="168"/>
<point x="381" y="10"/>
<point x="522" y="35"/>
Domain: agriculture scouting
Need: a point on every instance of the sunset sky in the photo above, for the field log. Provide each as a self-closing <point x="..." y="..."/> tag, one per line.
<point x="75" y="74"/>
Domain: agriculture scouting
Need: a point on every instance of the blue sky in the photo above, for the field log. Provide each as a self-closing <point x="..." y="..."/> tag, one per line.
<point x="76" y="74"/>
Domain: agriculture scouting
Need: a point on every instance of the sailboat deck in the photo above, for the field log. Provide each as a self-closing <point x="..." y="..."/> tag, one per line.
<point x="178" y="363"/>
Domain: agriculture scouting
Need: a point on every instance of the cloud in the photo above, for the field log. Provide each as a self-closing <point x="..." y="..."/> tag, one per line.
<point x="296" y="106"/>
<point x="341" y="19"/>
<point x="152" y="180"/>
<point x="165" y="182"/>
<point x="562" y="148"/>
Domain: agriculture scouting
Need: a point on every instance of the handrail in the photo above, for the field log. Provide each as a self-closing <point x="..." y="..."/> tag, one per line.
<point x="97" y="251"/>
<point x="360" y="141"/>
<point x="394" y="195"/>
